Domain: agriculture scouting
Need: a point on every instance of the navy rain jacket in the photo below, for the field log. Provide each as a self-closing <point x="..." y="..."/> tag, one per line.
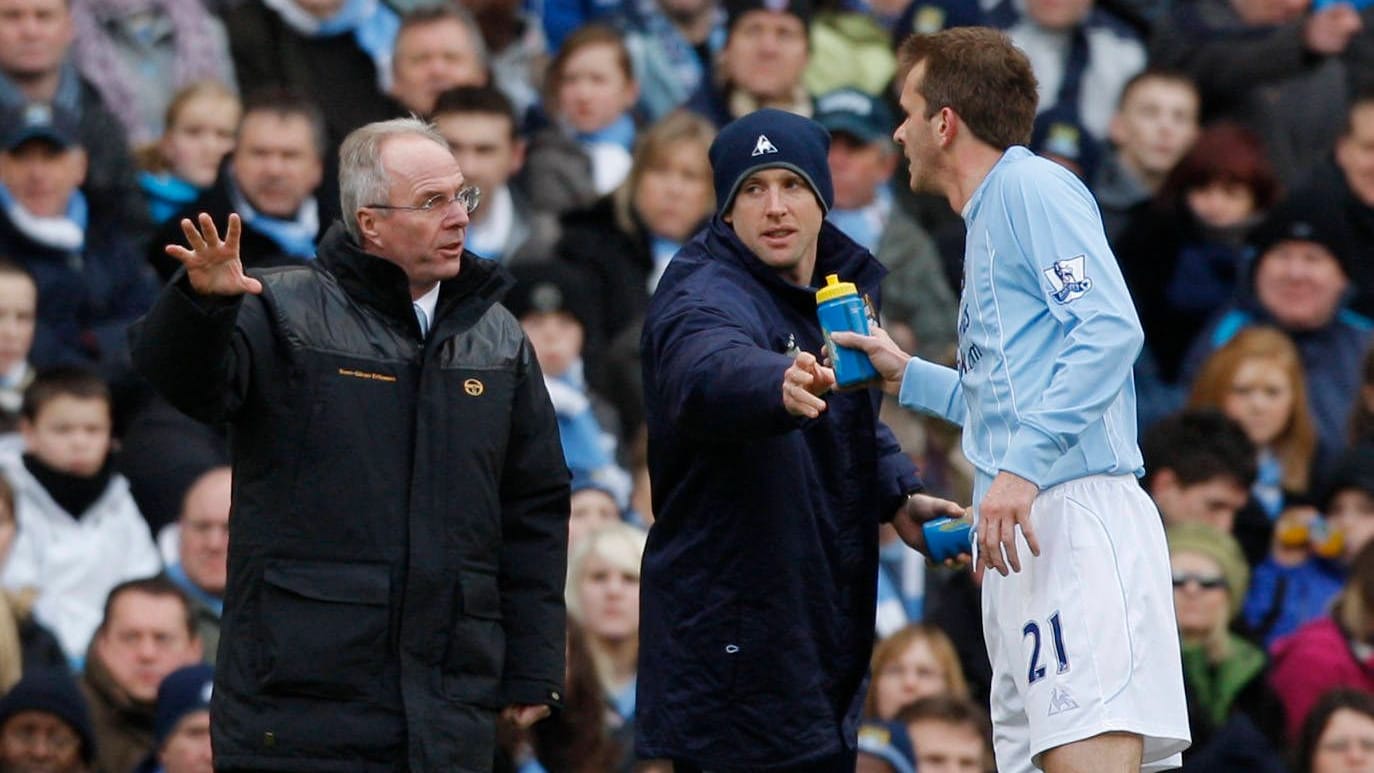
<point x="759" y="579"/>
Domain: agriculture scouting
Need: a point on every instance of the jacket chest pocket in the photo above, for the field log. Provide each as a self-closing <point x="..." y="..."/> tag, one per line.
<point x="324" y="628"/>
<point x="476" y="399"/>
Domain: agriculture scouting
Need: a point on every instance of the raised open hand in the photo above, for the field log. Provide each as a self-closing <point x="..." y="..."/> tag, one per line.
<point x="213" y="264"/>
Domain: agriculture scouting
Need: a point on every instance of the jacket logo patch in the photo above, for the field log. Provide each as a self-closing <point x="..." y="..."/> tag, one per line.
<point x="366" y="374"/>
<point x="763" y="145"/>
<point x="474" y="387"/>
<point x="1068" y="279"/>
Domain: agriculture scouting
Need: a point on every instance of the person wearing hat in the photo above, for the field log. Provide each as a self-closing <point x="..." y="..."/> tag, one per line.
<point x="1232" y="711"/>
<point x="181" y="728"/>
<point x="757" y="592"/>
<point x="885" y="747"/>
<point x="44" y="725"/>
<point x="767" y="47"/>
<point x="862" y="161"/>
<point x="1300" y="278"/>
<point x="91" y="281"/>
<point x="556" y="309"/>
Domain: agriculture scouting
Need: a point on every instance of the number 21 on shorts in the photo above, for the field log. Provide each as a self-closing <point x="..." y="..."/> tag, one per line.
<point x="1061" y="655"/>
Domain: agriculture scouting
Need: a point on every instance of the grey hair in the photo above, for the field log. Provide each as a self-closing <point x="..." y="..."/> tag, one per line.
<point x="362" y="179"/>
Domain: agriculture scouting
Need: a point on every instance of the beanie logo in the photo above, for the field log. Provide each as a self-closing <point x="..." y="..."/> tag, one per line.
<point x="763" y="145"/>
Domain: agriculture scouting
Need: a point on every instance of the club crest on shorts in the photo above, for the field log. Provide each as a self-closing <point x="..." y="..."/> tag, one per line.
<point x="1068" y="279"/>
<point x="763" y="145"/>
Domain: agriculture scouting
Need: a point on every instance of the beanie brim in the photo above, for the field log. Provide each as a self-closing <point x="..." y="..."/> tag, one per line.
<point x="744" y="175"/>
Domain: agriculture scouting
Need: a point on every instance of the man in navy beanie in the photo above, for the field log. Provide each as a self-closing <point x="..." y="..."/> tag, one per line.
<point x="46" y="706"/>
<point x="758" y="591"/>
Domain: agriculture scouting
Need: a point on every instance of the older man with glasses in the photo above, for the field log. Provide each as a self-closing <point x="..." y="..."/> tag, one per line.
<point x="397" y="555"/>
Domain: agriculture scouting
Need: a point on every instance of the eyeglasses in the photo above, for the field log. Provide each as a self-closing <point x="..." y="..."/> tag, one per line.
<point x="1205" y="583"/>
<point x="469" y="196"/>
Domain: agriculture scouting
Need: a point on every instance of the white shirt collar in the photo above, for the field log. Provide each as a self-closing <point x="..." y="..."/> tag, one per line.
<point x="428" y="301"/>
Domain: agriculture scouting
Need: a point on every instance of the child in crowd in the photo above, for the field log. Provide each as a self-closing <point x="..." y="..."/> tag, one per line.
<point x="590" y="90"/>
<point x="18" y="317"/>
<point x="1257" y="380"/>
<point x="916" y="662"/>
<point x="1297" y="582"/>
<point x="201" y="123"/>
<point x="593" y="506"/>
<point x="80" y="532"/>
<point x="557" y="313"/>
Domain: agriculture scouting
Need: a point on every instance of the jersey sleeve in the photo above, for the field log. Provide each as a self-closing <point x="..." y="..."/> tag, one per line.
<point x="1056" y="224"/>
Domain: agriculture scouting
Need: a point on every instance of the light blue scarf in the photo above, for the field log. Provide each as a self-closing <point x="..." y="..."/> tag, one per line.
<point x="295" y="237"/>
<point x="166" y="194"/>
<point x="65" y="232"/>
<point x="620" y="132"/>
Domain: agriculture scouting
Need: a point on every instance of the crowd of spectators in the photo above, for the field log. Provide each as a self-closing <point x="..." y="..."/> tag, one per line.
<point x="1230" y="145"/>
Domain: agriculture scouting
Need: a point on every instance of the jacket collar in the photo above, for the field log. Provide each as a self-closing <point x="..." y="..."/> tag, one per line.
<point x="381" y="284"/>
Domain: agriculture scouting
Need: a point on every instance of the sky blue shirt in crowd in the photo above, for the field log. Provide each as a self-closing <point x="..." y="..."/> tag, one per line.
<point x="1047" y="335"/>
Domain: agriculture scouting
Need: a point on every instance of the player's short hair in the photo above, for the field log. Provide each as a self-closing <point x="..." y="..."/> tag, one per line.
<point x="62" y="381"/>
<point x="1199" y="445"/>
<point x="981" y="76"/>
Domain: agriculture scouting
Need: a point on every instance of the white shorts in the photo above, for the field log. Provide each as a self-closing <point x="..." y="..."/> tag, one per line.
<point x="1083" y="640"/>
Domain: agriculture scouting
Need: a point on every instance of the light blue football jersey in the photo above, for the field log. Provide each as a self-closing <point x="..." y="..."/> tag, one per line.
<point x="1047" y="335"/>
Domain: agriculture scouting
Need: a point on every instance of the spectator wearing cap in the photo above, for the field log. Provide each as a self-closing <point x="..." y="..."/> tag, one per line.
<point x="91" y="280"/>
<point x="1344" y="185"/>
<point x="273" y="181"/>
<point x="1300" y="278"/>
<point x="1082" y="56"/>
<point x="766" y="498"/>
<point x="593" y="506"/>
<point x="767" y="47"/>
<point x="36" y="39"/>
<point x="181" y="726"/>
<point x="337" y="51"/>
<point x="1232" y="712"/>
<point x="555" y="307"/>
<point x="885" y="747"/>
<point x="44" y="725"/>
<point x="921" y="308"/>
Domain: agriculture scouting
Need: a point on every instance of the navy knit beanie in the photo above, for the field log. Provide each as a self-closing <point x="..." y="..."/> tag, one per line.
<point x="771" y="139"/>
<point x="183" y="691"/>
<point x="53" y="692"/>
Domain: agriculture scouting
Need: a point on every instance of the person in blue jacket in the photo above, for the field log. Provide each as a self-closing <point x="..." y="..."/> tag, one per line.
<point x="758" y="586"/>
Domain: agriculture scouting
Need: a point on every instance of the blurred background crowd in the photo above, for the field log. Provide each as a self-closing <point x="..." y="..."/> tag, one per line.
<point x="1229" y="143"/>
